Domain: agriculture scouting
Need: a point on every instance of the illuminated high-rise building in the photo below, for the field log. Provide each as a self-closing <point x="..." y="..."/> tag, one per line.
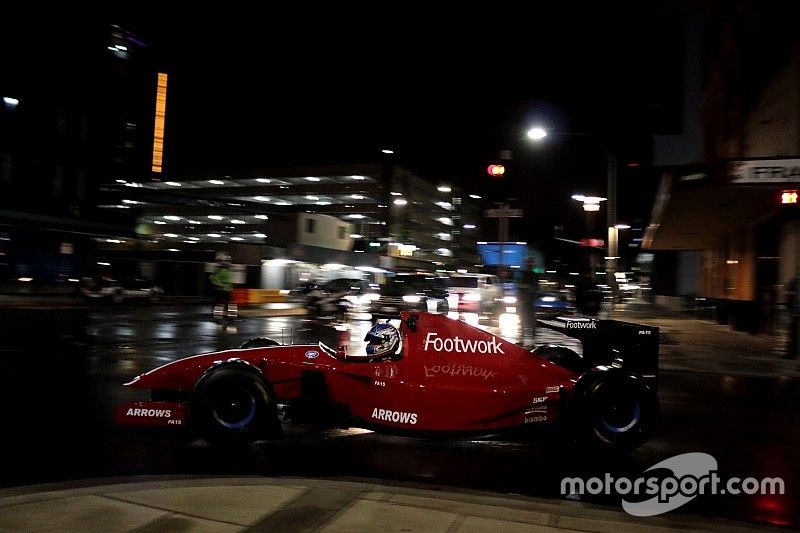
<point x="79" y="116"/>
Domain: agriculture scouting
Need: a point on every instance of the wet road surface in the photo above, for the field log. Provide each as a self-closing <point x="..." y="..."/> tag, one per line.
<point x="61" y="372"/>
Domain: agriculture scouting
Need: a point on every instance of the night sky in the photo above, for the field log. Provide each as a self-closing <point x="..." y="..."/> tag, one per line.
<point x="446" y="88"/>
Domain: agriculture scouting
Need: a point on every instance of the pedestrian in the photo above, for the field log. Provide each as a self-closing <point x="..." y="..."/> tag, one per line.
<point x="222" y="279"/>
<point x="527" y="289"/>
<point x="587" y="295"/>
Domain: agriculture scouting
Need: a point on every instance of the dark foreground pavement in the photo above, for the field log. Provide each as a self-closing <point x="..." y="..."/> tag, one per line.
<point x="300" y="504"/>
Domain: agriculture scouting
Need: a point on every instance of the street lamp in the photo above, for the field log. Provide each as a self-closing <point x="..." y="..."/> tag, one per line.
<point x="590" y="203"/>
<point x="537" y="134"/>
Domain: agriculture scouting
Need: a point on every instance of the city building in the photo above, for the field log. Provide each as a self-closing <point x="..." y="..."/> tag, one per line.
<point x="69" y="121"/>
<point x="88" y="187"/>
<point x="725" y="226"/>
<point x="379" y="217"/>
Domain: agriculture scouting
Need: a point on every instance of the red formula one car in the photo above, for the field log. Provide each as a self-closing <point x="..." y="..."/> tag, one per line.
<point x="435" y="375"/>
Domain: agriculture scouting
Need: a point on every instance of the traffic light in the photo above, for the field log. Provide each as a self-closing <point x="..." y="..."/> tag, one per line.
<point x="496" y="171"/>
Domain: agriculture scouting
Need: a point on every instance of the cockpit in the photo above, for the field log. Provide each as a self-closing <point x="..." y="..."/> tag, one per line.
<point x="383" y="341"/>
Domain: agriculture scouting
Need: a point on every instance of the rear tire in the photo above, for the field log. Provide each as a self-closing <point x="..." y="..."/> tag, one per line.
<point x="232" y="406"/>
<point x="617" y="410"/>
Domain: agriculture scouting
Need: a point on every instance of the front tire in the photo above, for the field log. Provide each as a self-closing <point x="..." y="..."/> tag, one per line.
<point x="232" y="406"/>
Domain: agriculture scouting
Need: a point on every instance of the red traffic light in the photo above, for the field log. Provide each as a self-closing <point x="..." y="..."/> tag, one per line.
<point x="496" y="171"/>
<point x="789" y="197"/>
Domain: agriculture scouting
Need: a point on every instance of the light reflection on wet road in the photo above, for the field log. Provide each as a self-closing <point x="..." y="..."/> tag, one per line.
<point x="59" y="388"/>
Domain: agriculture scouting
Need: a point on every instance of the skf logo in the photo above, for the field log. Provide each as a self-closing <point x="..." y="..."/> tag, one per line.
<point x="458" y="345"/>
<point x="394" y="416"/>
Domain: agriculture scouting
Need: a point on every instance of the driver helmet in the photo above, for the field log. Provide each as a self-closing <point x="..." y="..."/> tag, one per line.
<point x="382" y="339"/>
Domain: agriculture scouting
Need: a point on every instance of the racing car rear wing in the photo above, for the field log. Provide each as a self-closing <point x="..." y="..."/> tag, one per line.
<point x="613" y="343"/>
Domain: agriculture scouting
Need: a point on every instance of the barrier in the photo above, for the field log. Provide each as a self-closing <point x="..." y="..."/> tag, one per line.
<point x="258" y="296"/>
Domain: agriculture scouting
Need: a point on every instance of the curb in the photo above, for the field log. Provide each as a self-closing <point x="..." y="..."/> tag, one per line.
<point x="291" y="504"/>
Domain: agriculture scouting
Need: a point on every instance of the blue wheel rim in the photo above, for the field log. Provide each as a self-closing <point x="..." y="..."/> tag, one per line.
<point x="634" y="420"/>
<point x="235" y="412"/>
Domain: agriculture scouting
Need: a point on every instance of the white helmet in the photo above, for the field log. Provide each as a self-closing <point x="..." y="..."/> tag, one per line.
<point x="382" y="339"/>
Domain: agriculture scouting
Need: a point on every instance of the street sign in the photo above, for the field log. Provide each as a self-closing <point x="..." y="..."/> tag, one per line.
<point x="503" y="213"/>
<point x="765" y="171"/>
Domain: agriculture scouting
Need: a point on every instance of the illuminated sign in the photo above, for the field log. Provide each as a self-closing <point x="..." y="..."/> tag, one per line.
<point x="789" y="197"/>
<point x="503" y="254"/>
<point x="158" y="131"/>
<point x="402" y="250"/>
<point x="503" y="213"/>
<point x="766" y="171"/>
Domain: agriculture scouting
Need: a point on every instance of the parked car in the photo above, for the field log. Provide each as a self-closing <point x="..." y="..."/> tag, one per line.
<point x="360" y="293"/>
<point x="332" y="299"/>
<point x="299" y="293"/>
<point x="325" y="304"/>
<point x="117" y="291"/>
<point x="552" y="303"/>
<point x="410" y="292"/>
<point x="474" y="292"/>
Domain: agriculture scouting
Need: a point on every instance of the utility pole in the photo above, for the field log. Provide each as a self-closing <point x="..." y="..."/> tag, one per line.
<point x="502" y="238"/>
<point x="612" y="250"/>
<point x="613" y="231"/>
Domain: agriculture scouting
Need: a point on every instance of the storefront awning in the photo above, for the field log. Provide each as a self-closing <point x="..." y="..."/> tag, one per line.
<point x="693" y="212"/>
